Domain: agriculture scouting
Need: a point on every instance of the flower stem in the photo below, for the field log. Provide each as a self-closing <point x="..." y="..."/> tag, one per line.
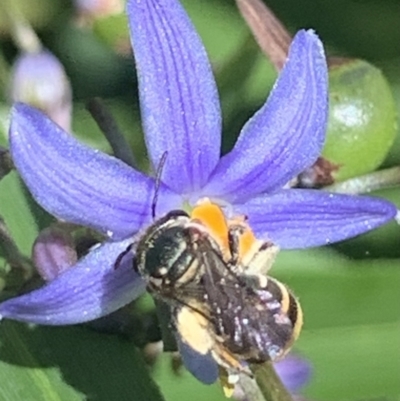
<point x="267" y="385"/>
<point x="270" y="34"/>
<point x="23" y="34"/>
<point x="369" y="182"/>
<point x="250" y="389"/>
<point x="18" y="262"/>
<point x="111" y="131"/>
<point x="4" y="73"/>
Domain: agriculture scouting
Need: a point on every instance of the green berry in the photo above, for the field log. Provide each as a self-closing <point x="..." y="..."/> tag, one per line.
<point x="362" y="118"/>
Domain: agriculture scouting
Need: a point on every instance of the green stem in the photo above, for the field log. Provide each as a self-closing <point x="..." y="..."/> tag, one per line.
<point x="111" y="131"/>
<point x="23" y="34"/>
<point x="4" y="74"/>
<point x="20" y="265"/>
<point x="369" y="182"/>
<point x="269" y="383"/>
<point x="250" y="388"/>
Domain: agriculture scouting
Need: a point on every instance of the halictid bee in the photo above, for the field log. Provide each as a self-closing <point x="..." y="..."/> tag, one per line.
<point x="212" y="273"/>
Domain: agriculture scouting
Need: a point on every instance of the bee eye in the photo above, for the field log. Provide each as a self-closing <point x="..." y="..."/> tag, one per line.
<point x="164" y="251"/>
<point x="176" y="213"/>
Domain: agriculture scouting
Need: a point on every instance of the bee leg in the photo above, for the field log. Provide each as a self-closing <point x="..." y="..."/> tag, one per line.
<point x="118" y="261"/>
<point x="234" y="234"/>
<point x="262" y="259"/>
<point x="229" y="362"/>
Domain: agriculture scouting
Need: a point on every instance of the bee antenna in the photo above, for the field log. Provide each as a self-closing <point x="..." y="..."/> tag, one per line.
<point x="158" y="183"/>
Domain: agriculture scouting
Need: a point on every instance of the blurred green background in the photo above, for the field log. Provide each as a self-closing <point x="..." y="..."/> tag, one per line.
<point x="350" y="292"/>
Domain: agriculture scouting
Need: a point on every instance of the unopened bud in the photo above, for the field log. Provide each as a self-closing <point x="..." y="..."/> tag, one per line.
<point x="98" y="8"/>
<point x="39" y="79"/>
<point x="53" y="252"/>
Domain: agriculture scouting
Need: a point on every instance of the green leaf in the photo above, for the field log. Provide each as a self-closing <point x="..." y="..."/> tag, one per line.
<point x="335" y="291"/>
<point x="16" y="209"/>
<point x="4" y="123"/>
<point x="219" y="25"/>
<point x="353" y="363"/>
<point x="351" y="322"/>
<point x="70" y="363"/>
<point x="183" y="386"/>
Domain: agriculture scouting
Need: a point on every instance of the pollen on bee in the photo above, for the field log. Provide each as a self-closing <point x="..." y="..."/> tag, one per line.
<point x="212" y="216"/>
<point x="193" y="329"/>
<point x="247" y="238"/>
<point x="228" y="382"/>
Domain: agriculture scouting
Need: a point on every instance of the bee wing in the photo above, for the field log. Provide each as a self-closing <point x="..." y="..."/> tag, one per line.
<point x="268" y="327"/>
<point x="249" y="318"/>
<point x="202" y="366"/>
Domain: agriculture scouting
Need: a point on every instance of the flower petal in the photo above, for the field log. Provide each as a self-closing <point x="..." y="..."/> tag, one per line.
<point x="286" y="135"/>
<point x="91" y="289"/>
<point x="202" y="367"/>
<point x="178" y="95"/>
<point x="299" y="218"/>
<point x="294" y="372"/>
<point x="79" y="184"/>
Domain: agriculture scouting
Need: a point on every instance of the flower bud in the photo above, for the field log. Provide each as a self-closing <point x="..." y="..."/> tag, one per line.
<point x="39" y="79"/>
<point x="362" y="119"/>
<point x="53" y="252"/>
<point x="98" y="8"/>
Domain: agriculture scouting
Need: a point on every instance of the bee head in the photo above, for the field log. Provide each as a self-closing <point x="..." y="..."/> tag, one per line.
<point x="163" y="254"/>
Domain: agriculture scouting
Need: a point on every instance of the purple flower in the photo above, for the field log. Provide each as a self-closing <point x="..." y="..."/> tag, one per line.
<point x="181" y="115"/>
<point x="98" y="8"/>
<point x="53" y="252"/>
<point x="40" y="80"/>
<point x="294" y="372"/>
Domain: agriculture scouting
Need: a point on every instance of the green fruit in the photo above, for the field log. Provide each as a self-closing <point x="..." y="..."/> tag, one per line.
<point x="362" y="118"/>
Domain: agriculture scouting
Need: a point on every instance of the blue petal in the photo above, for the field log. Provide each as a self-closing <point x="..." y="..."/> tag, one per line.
<point x="203" y="367"/>
<point x="286" y="135"/>
<point x="91" y="289"/>
<point x="294" y="372"/>
<point x="79" y="184"/>
<point x="178" y="95"/>
<point x="299" y="218"/>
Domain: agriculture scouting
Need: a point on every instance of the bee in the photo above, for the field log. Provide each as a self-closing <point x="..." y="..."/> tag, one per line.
<point x="212" y="273"/>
